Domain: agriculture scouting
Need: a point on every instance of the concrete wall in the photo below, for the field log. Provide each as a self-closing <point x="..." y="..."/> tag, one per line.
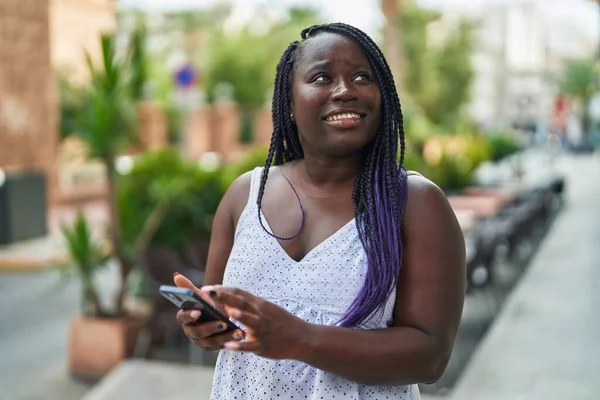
<point x="28" y="108"/>
<point x="75" y="28"/>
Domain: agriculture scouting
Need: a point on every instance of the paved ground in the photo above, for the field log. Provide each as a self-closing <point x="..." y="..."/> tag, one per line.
<point x="543" y="346"/>
<point x="34" y="323"/>
<point x="36" y="254"/>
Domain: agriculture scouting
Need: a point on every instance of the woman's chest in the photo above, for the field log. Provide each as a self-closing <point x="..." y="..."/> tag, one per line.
<point x="330" y="276"/>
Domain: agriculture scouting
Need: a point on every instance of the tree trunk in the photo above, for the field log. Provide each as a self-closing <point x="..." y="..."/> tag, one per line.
<point x="95" y="300"/>
<point x="125" y="265"/>
<point x="586" y="120"/>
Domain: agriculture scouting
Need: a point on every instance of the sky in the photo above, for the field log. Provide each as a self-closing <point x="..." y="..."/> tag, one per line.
<point x="580" y="16"/>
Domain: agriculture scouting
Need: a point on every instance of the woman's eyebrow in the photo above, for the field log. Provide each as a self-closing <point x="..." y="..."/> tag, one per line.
<point x="326" y="64"/>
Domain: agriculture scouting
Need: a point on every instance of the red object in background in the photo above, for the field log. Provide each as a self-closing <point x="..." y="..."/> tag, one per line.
<point x="560" y="111"/>
<point x="560" y="104"/>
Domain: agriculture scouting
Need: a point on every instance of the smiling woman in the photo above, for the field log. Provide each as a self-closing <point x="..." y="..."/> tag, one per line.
<point x="346" y="271"/>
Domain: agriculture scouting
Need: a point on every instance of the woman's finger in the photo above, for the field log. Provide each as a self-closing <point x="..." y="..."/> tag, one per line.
<point x="251" y="346"/>
<point x="205" y="330"/>
<point x="249" y="319"/>
<point x="183" y="282"/>
<point x="217" y="341"/>
<point x="186" y="317"/>
<point x="233" y="297"/>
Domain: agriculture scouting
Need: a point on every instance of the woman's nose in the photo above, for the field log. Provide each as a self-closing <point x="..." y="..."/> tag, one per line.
<point x="343" y="92"/>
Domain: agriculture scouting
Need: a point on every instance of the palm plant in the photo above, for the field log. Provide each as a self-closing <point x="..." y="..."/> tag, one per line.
<point x="106" y="124"/>
<point x="86" y="256"/>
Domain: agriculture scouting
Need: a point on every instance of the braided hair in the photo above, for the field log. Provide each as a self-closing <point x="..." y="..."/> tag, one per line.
<point x="379" y="194"/>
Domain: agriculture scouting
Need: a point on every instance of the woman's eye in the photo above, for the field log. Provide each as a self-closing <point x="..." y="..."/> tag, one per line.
<point x="362" y="77"/>
<point x="321" y="78"/>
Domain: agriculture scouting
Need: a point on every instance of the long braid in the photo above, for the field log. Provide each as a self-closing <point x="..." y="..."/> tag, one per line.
<point x="379" y="192"/>
<point x="279" y="148"/>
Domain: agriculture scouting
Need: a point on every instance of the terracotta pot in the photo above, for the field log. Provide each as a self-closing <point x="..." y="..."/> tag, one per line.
<point x="97" y="345"/>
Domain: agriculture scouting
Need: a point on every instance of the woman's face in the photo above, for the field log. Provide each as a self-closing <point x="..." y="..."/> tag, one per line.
<point x="335" y="98"/>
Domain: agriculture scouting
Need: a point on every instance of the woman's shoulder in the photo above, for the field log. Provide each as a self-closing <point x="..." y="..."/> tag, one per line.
<point x="416" y="180"/>
<point x="425" y="200"/>
<point x="241" y="188"/>
<point x="413" y="173"/>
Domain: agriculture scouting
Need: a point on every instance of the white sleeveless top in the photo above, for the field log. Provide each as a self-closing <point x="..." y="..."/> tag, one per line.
<point x="318" y="289"/>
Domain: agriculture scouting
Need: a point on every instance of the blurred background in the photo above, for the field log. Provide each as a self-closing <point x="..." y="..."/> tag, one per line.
<point x="123" y="122"/>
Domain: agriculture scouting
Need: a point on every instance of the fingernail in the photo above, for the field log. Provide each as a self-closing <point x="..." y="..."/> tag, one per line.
<point x="227" y="310"/>
<point x="175" y="274"/>
<point x="195" y="314"/>
<point x="220" y="327"/>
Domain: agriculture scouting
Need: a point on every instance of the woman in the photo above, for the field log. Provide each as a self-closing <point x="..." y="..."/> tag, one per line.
<point x="347" y="273"/>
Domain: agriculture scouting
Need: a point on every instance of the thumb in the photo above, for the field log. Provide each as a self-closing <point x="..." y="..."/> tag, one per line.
<point x="183" y="282"/>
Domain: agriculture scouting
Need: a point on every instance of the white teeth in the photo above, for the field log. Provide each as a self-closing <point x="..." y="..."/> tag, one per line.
<point x="339" y="117"/>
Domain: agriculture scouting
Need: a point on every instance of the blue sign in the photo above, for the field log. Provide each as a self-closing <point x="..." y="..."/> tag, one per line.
<point x="186" y="76"/>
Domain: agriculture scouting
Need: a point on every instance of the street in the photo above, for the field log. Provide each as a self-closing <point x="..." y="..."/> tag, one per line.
<point x="34" y="328"/>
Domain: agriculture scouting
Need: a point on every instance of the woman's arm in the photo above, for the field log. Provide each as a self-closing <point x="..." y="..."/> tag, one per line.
<point x="429" y="303"/>
<point x="223" y="228"/>
<point x="210" y="335"/>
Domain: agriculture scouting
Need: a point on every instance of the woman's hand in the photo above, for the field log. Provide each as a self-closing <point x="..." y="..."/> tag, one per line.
<point x="271" y="332"/>
<point x="208" y="335"/>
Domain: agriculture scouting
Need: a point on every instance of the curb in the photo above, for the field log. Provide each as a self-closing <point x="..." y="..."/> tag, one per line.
<point x="21" y="264"/>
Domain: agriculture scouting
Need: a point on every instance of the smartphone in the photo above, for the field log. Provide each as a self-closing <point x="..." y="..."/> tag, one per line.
<point x="186" y="299"/>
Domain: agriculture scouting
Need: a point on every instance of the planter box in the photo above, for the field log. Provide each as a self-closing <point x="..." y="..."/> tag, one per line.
<point x="97" y="345"/>
<point x="22" y="206"/>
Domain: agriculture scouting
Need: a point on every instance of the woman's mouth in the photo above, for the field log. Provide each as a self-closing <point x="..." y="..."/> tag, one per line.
<point x="344" y="120"/>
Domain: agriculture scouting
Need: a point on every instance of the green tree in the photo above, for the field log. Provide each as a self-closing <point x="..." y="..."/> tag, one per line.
<point x="284" y="32"/>
<point x="580" y="81"/>
<point x="240" y="59"/>
<point x="438" y="78"/>
<point x="420" y="66"/>
<point x="455" y="74"/>
<point x="139" y="63"/>
<point x="189" y="29"/>
<point x="247" y="60"/>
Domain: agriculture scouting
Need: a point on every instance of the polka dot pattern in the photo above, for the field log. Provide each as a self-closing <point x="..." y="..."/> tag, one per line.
<point x="318" y="289"/>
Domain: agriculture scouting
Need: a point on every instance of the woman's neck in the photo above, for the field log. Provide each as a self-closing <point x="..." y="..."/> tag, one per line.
<point x="329" y="173"/>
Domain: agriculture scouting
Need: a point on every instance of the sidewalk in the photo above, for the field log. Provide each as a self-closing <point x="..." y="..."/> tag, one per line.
<point x="545" y="343"/>
<point x="40" y="253"/>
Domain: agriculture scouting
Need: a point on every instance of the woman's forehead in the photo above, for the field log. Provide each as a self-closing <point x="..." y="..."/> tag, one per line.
<point x="328" y="48"/>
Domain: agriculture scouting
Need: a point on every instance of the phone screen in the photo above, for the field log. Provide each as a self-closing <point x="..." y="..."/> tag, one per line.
<point x="186" y="299"/>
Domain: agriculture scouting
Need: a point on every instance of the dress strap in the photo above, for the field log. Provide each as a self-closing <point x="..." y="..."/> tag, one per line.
<point x="254" y="185"/>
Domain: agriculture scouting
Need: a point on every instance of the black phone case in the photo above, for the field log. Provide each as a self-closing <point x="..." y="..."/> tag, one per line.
<point x="209" y="313"/>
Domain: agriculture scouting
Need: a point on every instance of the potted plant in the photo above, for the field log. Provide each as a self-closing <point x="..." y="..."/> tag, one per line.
<point x="86" y="255"/>
<point x="102" y="337"/>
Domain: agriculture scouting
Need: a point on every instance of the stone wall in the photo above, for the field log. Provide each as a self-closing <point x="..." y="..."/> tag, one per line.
<point x="28" y="112"/>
